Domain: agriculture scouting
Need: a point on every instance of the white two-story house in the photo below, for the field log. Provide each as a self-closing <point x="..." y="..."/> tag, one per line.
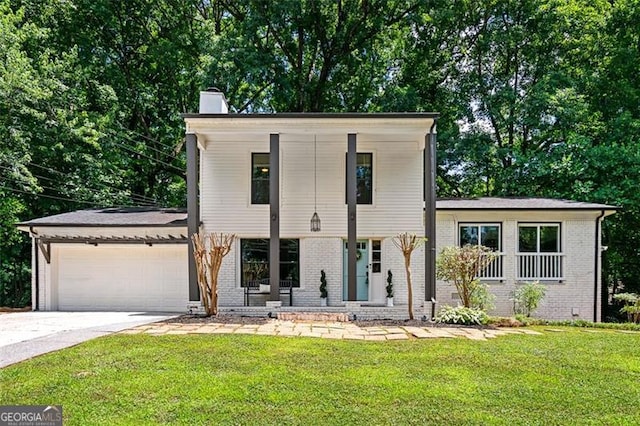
<point x="312" y="192"/>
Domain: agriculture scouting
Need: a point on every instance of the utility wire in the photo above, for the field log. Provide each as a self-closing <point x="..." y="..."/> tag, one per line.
<point x="150" y="139"/>
<point x="128" y="148"/>
<point x="52" y="196"/>
<point x="16" y="180"/>
<point x="102" y="184"/>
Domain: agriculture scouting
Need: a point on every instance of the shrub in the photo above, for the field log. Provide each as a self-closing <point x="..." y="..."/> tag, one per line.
<point x="527" y="298"/>
<point x="461" y="315"/>
<point x="323" y="285"/>
<point x="461" y="266"/>
<point x="631" y="306"/>
<point x="389" y="283"/>
<point x="482" y="298"/>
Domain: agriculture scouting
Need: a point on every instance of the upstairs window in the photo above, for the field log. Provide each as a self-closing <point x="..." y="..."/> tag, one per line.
<point x="260" y="178"/>
<point x="364" y="178"/>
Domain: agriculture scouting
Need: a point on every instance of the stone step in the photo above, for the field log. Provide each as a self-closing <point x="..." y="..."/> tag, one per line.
<point x="313" y="316"/>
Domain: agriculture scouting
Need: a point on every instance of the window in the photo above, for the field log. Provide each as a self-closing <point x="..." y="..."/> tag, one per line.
<point x="259" y="178"/>
<point x="485" y="235"/>
<point x="255" y="260"/>
<point x="376" y="256"/>
<point x="539" y="252"/>
<point x="364" y="178"/>
<point x="543" y="238"/>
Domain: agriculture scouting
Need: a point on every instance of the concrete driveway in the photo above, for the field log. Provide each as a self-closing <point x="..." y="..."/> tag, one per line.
<point x="24" y="335"/>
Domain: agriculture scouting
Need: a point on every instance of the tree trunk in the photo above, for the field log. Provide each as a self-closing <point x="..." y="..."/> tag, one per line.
<point x="407" y="267"/>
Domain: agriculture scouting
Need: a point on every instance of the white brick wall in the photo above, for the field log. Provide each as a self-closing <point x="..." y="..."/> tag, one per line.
<point x="570" y="299"/>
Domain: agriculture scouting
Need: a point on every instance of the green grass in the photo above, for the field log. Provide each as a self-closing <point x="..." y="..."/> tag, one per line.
<point x="572" y="377"/>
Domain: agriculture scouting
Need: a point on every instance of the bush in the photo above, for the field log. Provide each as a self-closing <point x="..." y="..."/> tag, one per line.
<point x="482" y="298"/>
<point x="631" y="306"/>
<point x="323" y="285"/>
<point x="527" y="298"/>
<point x="461" y="267"/>
<point x="461" y="315"/>
<point x="389" y="287"/>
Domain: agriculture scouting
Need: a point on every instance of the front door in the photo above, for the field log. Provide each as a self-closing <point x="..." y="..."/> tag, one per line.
<point x="362" y="271"/>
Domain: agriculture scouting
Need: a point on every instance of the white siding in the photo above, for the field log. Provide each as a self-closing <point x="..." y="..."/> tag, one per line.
<point x="226" y="189"/>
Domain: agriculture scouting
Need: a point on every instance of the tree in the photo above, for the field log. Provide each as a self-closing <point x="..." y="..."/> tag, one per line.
<point x="309" y="55"/>
<point x="407" y="243"/>
<point x="461" y="266"/>
<point x="209" y="251"/>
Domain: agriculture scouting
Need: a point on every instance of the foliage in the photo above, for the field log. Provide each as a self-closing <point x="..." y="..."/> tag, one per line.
<point x="461" y="266"/>
<point x="389" y="286"/>
<point x="461" y="315"/>
<point x="537" y="98"/>
<point x="482" y="298"/>
<point x="527" y="298"/>
<point x="407" y="243"/>
<point x="323" y="285"/>
<point x="521" y="320"/>
<point x="631" y="306"/>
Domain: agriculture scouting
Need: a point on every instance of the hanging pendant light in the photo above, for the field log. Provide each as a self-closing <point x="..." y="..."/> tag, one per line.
<point x="315" y="219"/>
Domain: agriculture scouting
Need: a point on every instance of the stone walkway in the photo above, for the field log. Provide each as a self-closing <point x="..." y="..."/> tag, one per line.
<point x="326" y="330"/>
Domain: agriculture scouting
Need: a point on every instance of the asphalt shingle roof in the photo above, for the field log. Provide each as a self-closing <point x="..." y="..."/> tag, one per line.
<point x="517" y="203"/>
<point x="116" y="216"/>
<point x="145" y="216"/>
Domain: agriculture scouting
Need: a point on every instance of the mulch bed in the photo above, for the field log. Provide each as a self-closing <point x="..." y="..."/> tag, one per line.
<point x="4" y="309"/>
<point x="237" y="319"/>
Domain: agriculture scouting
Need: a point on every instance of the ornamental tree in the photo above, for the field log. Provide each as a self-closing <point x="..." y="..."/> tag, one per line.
<point x="462" y="266"/>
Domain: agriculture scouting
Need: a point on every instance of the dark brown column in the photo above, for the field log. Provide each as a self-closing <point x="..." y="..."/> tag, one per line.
<point x="352" y="200"/>
<point x="274" y="214"/>
<point x="193" y="211"/>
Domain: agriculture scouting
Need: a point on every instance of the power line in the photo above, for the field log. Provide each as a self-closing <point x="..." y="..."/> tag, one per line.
<point x="172" y="148"/>
<point x="142" y="198"/>
<point x="148" y="157"/>
<point x="57" y="190"/>
<point x="49" y="196"/>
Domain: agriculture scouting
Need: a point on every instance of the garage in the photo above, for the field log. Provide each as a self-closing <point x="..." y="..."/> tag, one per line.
<point x="122" y="278"/>
<point x="116" y="259"/>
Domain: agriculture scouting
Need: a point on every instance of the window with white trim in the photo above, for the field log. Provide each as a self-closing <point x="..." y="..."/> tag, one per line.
<point x="539" y="251"/>
<point x="539" y="238"/>
<point x="488" y="235"/>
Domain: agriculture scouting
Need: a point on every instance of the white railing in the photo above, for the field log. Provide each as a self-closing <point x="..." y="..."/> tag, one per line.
<point x="540" y="266"/>
<point x="495" y="269"/>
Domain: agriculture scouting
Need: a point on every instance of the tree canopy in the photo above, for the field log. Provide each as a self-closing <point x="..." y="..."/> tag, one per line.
<point x="537" y="98"/>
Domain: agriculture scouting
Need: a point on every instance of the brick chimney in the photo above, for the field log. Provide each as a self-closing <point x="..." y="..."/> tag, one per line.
<point x="212" y="101"/>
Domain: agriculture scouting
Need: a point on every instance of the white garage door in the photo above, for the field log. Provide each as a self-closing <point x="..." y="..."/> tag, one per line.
<point x="123" y="277"/>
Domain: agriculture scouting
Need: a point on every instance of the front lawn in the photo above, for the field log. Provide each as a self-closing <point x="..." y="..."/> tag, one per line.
<point x="569" y="377"/>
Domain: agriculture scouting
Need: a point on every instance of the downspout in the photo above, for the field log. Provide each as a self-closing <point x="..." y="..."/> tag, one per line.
<point x="596" y="261"/>
<point x="430" y="164"/>
<point x="36" y="267"/>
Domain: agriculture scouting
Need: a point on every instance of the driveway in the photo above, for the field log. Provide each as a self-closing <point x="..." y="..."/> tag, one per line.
<point x="24" y="335"/>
